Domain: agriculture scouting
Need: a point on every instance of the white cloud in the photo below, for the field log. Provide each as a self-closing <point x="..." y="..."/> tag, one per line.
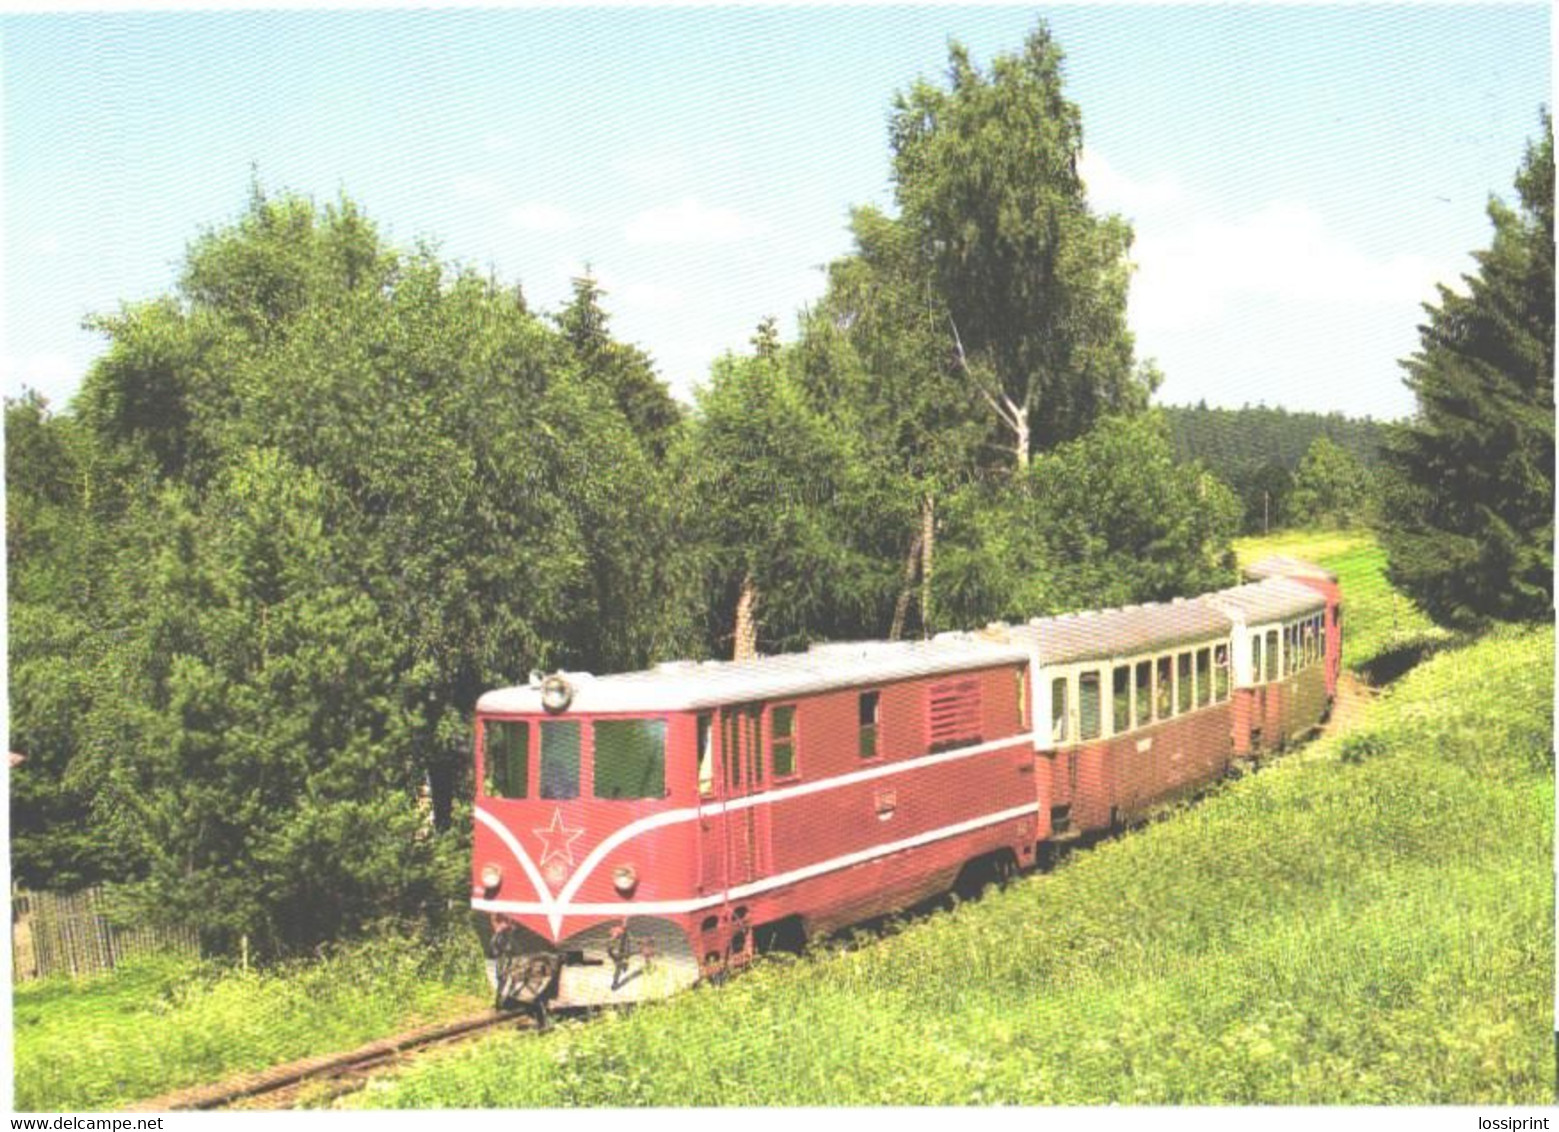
<point x="49" y="373"/>
<point x="654" y="297"/>
<point x="1110" y="190"/>
<point x="1191" y="274"/>
<point x="689" y="221"/>
<point x="538" y="216"/>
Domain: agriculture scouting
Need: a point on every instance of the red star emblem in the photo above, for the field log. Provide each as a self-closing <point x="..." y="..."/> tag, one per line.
<point x="557" y="840"/>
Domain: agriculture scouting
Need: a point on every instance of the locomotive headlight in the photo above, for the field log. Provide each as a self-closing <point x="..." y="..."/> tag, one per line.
<point x="556" y="693"/>
<point x="492" y="877"/>
<point x="624" y="879"/>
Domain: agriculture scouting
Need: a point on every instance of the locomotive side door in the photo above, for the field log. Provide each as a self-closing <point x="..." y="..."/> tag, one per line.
<point x="741" y="741"/>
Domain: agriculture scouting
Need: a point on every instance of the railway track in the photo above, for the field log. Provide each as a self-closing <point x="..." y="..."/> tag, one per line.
<point x="328" y="1075"/>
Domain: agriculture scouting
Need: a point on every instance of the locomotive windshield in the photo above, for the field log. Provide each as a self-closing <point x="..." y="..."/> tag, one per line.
<point x="627" y="756"/>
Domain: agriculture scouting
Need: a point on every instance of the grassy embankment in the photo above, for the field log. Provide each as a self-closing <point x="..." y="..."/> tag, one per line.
<point x="161" y="1024"/>
<point x="1373" y="924"/>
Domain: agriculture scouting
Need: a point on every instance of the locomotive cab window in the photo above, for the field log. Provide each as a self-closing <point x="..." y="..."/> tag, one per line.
<point x="1255" y="658"/>
<point x="505" y="758"/>
<point x="1221" y="673"/>
<point x="867" y="709"/>
<point x="706" y="754"/>
<point x="1058" y="709"/>
<point x="630" y="758"/>
<point x="560" y="759"/>
<point x="782" y="742"/>
<point x="1088" y="714"/>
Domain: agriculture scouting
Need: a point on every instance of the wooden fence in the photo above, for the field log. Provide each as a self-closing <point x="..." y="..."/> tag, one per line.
<point x="73" y="934"/>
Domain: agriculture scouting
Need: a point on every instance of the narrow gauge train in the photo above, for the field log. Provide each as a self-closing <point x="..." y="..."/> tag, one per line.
<point x="637" y="832"/>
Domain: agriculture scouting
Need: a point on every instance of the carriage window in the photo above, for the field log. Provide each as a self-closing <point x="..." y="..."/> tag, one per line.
<point x="1272" y="654"/>
<point x="1058" y="710"/>
<point x="1221" y="673"/>
<point x="1144" y="692"/>
<point x="560" y="759"/>
<point x="706" y="754"/>
<point x="630" y="758"/>
<point x="1088" y="721"/>
<point x="1122" y="692"/>
<point x="1204" y="674"/>
<point x="867" y="710"/>
<point x="1255" y="658"/>
<point x="782" y="744"/>
<point x="1183" y="682"/>
<point x="505" y="758"/>
<point x="1166" y="687"/>
<point x="1320" y="636"/>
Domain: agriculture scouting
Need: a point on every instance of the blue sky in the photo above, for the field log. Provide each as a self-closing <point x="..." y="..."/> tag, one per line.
<point x="1298" y="177"/>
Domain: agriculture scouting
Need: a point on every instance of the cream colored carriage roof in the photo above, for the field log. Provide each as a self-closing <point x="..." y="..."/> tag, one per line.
<point x="1130" y="631"/>
<point x="1282" y="566"/>
<point x="1272" y="600"/>
<point x="687" y="685"/>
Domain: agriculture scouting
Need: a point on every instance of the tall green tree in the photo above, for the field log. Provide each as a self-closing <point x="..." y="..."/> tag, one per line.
<point x="1469" y="517"/>
<point x="1331" y="487"/>
<point x="625" y="371"/>
<point x="1032" y="283"/>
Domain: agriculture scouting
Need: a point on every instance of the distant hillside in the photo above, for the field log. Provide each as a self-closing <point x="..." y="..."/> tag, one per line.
<point x="1256" y="450"/>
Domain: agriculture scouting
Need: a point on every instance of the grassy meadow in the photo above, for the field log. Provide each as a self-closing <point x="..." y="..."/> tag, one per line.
<point x="156" y="1025"/>
<point x="1371" y="924"/>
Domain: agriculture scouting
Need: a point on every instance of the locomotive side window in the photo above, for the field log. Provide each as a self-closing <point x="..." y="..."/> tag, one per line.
<point x="706" y="754"/>
<point x="1221" y="673"/>
<point x="1166" y="687"/>
<point x="1183" y="682"/>
<point x="1144" y="692"/>
<point x="1255" y="658"/>
<point x="1121" y="681"/>
<point x="1088" y="714"/>
<point x="630" y="758"/>
<point x="867" y="709"/>
<point x="1204" y="677"/>
<point x="1058" y="709"/>
<point x="560" y="759"/>
<point x="1272" y="654"/>
<point x="505" y="758"/>
<point x="782" y="743"/>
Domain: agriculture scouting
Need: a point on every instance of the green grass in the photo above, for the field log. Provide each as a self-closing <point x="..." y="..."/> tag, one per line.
<point x="156" y="1025"/>
<point x="1370" y="924"/>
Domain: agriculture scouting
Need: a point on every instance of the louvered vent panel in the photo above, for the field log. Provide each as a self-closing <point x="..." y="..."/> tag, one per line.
<point x="954" y="714"/>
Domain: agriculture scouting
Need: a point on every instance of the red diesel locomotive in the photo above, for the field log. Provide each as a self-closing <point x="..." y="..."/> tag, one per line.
<point x="637" y="832"/>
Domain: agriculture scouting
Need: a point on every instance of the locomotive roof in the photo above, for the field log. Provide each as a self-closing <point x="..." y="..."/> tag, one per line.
<point x="1270" y="600"/>
<point x="1282" y="566"/>
<point x="1114" y="632"/>
<point x="686" y="685"/>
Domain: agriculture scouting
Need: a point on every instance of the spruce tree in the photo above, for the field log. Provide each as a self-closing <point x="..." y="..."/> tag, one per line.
<point x="1469" y="515"/>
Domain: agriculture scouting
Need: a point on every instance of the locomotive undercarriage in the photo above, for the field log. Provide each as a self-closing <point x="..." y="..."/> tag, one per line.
<point x="615" y="962"/>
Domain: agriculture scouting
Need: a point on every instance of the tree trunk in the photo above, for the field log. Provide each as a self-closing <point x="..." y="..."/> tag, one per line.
<point x="1020" y="444"/>
<point x="907" y="590"/>
<point x="927" y="546"/>
<point x="745" y="643"/>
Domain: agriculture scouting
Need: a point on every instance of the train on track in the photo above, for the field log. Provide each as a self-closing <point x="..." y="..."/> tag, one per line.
<point x="637" y="832"/>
